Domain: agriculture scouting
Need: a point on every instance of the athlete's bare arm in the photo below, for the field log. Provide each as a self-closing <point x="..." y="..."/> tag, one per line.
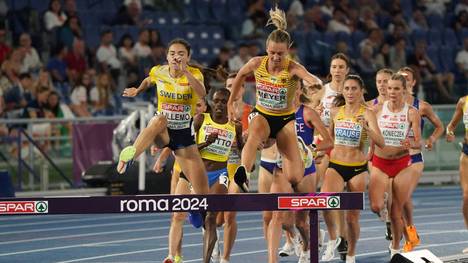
<point x="132" y="92"/>
<point x="197" y="85"/>
<point x="301" y="72"/>
<point x="425" y="110"/>
<point x="314" y="120"/>
<point x="373" y="129"/>
<point x="415" y="123"/>
<point x="456" y="118"/>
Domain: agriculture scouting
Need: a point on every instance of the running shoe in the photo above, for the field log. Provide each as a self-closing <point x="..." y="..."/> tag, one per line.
<point x="216" y="254"/>
<point x="241" y="177"/>
<point x="125" y="159"/>
<point x="342" y="248"/>
<point x="196" y="219"/>
<point x="413" y="235"/>
<point x="329" y="253"/>
<point x="388" y="233"/>
<point x="465" y="251"/>
<point x="287" y="250"/>
<point x="179" y="259"/>
<point x="304" y="257"/>
<point x="297" y="242"/>
<point x="223" y="261"/>
<point x="321" y="239"/>
<point x="350" y="259"/>
<point x="169" y="259"/>
<point x="407" y="247"/>
<point x="392" y="251"/>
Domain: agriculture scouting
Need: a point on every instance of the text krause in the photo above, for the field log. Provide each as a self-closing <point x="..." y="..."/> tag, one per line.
<point x="163" y="204"/>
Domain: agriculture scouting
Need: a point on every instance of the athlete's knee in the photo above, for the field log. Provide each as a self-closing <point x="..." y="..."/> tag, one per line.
<point x="229" y="218"/>
<point x="267" y="217"/>
<point x="352" y="217"/>
<point x="375" y="207"/>
<point x="158" y="121"/>
<point x="178" y="217"/>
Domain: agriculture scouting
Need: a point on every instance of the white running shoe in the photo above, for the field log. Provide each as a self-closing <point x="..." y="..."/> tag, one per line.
<point x="287" y="250"/>
<point x="392" y="251"/>
<point x="329" y="253"/>
<point x="350" y="259"/>
<point x="216" y="254"/>
<point x="223" y="261"/>
<point x="305" y="257"/>
<point x="297" y="242"/>
<point x="465" y="251"/>
<point x="321" y="239"/>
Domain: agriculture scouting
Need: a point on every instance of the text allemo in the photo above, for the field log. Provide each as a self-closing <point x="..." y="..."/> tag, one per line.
<point x="164" y="204"/>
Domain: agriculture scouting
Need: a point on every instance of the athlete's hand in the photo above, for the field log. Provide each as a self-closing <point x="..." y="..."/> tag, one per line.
<point x="211" y="138"/>
<point x="319" y="109"/>
<point x="154" y="150"/>
<point x="231" y="112"/>
<point x="130" y="92"/>
<point x="429" y="144"/>
<point x="450" y="137"/>
<point x="158" y="166"/>
<point x="362" y="120"/>
<point x="181" y="65"/>
<point x="406" y="143"/>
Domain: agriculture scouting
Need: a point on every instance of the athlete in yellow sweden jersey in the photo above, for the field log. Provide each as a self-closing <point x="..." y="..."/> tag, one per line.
<point x="276" y="79"/>
<point x="178" y="88"/>
<point x="461" y="113"/>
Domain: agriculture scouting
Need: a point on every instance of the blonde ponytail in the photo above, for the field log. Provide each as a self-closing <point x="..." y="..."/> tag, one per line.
<point x="278" y="19"/>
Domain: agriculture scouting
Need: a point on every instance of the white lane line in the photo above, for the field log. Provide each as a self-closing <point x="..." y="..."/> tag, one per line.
<point x="232" y="255"/>
<point x="415" y="217"/>
<point x="109" y="242"/>
<point x="149" y="250"/>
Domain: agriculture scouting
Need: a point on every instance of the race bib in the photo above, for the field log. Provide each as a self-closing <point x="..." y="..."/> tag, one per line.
<point x="178" y="116"/>
<point x="272" y="98"/>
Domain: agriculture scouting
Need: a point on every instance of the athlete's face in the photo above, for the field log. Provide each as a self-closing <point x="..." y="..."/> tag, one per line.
<point x="220" y="100"/>
<point x="177" y="54"/>
<point x="395" y="90"/>
<point x="352" y="91"/>
<point x="410" y="82"/>
<point x="338" y="69"/>
<point x="229" y="82"/>
<point x="277" y="53"/>
<point x="200" y="107"/>
<point x="381" y="81"/>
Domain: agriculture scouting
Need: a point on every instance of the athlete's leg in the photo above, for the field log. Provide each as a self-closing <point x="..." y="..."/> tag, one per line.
<point x="401" y="190"/>
<point x="378" y="185"/>
<point x="293" y="166"/>
<point x="307" y="185"/>
<point x="356" y="184"/>
<point x="332" y="182"/>
<point x="230" y="225"/>
<point x="259" y="130"/>
<point x="192" y="165"/>
<point x="265" y="179"/>
<point x="280" y="185"/>
<point x="464" y="185"/>
<point x="178" y="218"/>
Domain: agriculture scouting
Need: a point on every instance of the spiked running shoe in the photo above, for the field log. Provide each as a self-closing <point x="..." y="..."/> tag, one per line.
<point x="413" y="235"/>
<point x="241" y="177"/>
<point x="388" y="232"/>
<point x="179" y="259"/>
<point x="125" y="159"/>
<point x="342" y="248"/>
<point x="169" y="259"/>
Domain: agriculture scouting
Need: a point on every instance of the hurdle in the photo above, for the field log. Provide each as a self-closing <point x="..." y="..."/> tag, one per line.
<point x="185" y="203"/>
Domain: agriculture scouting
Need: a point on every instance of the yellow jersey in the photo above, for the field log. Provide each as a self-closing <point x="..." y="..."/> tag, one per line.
<point x="220" y="149"/>
<point x="275" y="93"/>
<point x="176" y="98"/>
<point x="348" y="131"/>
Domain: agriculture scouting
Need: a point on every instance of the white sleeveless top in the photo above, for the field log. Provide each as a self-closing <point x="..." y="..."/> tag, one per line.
<point x="465" y="113"/>
<point x="327" y="102"/>
<point x="394" y="126"/>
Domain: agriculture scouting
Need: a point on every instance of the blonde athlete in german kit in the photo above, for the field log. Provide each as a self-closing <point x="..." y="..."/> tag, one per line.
<point x="276" y="79"/>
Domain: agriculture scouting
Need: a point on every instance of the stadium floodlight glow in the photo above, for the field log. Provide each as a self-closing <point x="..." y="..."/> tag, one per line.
<point x="184" y="203"/>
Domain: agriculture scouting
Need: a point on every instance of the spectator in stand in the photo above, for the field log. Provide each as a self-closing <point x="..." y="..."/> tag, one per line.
<point x="254" y="6"/>
<point x="339" y="22"/>
<point x="130" y="14"/>
<point x="127" y="52"/>
<point x="31" y="62"/>
<point x="222" y="60"/>
<point x="240" y="59"/>
<point x="4" y="47"/>
<point x="70" y="8"/>
<point x="11" y="68"/>
<point x="461" y="21"/>
<point x="398" y="32"/>
<point x="70" y="30"/>
<point x="253" y="26"/>
<point x="76" y="60"/>
<point x="426" y="71"/>
<point x="37" y="107"/>
<point x="155" y="38"/>
<point x="367" y="67"/>
<point x="57" y="65"/>
<point x="398" y="19"/>
<point x="54" y="17"/>
<point x="327" y="8"/>
<point x="297" y="8"/>
<point x="437" y="7"/>
<point x="80" y="94"/>
<point x="461" y="6"/>
<point x="397" y="55"/>
<point x="157" y="57"/>
<point x="367" y="19"/>
<point x="462" y="64"/>
<point x="21" y="94"/>
<point x="382" y="59"/>
<point x="141" y="48"/>
<point x="101" y="95"/>
<point x="107" y="55"/>
<point x="418" y="21"/>
<point x="44" y="80"/>
<point x="373" y="40"/>
<point x="58" y="110"/>
<point x="313" y="19"/>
